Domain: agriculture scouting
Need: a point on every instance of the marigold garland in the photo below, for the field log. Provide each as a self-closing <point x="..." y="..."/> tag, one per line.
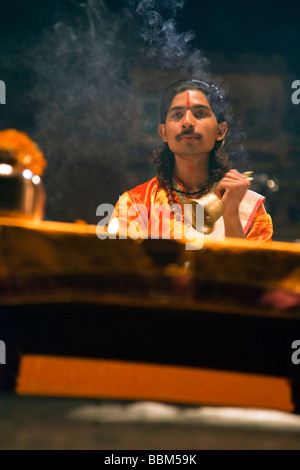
<point x="23" y="149"/>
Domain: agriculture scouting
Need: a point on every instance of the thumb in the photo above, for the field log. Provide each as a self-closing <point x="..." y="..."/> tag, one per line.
<point x="220" y="190"/>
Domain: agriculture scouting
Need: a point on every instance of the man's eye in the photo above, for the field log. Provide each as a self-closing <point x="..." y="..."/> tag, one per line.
<point x="200" y="115"/>
<point x="177" y="115"/>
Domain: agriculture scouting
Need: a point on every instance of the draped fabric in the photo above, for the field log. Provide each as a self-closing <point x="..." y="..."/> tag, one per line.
<point x="144" y="212"/>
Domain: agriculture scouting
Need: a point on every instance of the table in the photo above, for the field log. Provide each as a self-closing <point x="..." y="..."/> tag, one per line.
<point x="148" y="319"/>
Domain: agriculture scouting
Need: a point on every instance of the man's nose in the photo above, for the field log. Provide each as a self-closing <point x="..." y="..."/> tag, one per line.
<point x="188" y="119"/>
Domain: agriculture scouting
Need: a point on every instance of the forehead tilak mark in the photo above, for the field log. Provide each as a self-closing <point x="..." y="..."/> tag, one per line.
<point x="188" y="100"/>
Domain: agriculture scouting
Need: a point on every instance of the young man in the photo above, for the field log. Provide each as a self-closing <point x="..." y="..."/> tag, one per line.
<point x="192" y="162"/>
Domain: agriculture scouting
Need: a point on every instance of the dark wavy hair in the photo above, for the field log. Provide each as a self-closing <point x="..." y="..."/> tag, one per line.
<point x="162" y="157"/>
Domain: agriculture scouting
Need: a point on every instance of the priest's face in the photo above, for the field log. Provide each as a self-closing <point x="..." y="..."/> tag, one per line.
<point x="191" y="128"/>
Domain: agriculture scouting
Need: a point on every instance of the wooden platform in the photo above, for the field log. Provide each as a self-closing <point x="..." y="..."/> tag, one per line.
<point x="148" y="320"/>
<point x="122" y="380"/>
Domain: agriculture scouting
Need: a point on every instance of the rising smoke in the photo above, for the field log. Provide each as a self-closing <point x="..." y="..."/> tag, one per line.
<point x="172" y="48"/>
<point x="83" y="93"/>
<point x="86" y="121"/>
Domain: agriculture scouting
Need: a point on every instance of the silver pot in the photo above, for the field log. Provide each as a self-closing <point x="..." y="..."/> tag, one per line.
<point x="22" y="193"/>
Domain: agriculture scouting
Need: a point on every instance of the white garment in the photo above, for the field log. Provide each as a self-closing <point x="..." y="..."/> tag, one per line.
<point x="247" y="210"/>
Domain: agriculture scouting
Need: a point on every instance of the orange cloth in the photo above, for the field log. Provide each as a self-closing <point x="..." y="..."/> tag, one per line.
<point x="140" y="208"/>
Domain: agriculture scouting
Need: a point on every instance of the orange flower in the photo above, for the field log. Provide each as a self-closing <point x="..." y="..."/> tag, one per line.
<point x="23" y="149"/>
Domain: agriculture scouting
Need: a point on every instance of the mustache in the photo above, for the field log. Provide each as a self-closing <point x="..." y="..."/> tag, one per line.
<point x="187" y="132"/>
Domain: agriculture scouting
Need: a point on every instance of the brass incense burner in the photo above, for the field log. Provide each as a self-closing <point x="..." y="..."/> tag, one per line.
<point x="212" y="205"/>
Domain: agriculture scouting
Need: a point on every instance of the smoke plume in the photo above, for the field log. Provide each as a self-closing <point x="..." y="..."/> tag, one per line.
<point x="172" y="48"/>
<point x="89" y="117"/>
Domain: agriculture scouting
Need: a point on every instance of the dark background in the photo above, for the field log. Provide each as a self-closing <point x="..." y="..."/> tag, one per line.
<point x="80" y="81"/>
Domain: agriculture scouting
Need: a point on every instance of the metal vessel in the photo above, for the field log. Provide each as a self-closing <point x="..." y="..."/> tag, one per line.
<point x="22" y="193"/>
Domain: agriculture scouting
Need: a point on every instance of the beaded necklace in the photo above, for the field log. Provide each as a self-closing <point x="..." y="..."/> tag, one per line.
<point x="175" y="195"/>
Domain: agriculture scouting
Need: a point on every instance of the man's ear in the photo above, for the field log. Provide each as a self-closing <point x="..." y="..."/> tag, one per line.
<point x="162" y="132"/>
<point x="222" y="129"/>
